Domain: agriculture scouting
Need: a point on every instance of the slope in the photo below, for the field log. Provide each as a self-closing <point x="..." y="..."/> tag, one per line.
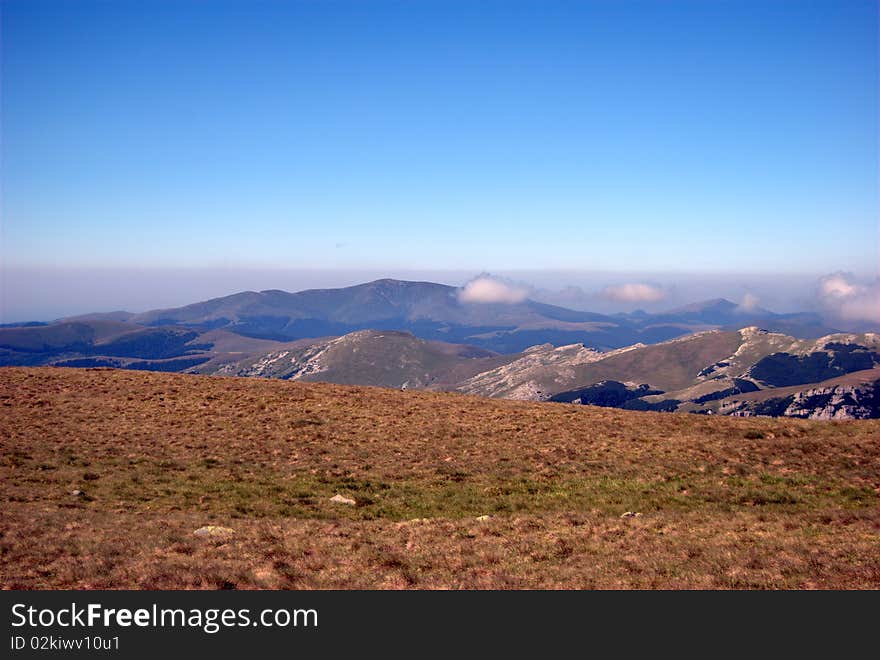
<point x="450" y="491"/>
<point x="371" y="357"/>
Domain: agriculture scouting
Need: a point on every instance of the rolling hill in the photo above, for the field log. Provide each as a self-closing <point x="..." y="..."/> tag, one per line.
<point x="111" y="343"/>
<point x="427" y="310"/>
<point x="760" y="365"/>
<point x="700" y="373"/>
<point x="437" y="312"/>
<point x="542" y="373"/>
<point x="423" y="335"/>
<point x="370" y="357"/>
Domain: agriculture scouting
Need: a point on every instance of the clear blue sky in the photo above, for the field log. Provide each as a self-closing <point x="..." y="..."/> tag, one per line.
<point x="667" y="135"/>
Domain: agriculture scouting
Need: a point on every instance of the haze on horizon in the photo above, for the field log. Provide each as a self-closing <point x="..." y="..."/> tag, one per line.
<point x="607" y="156"/>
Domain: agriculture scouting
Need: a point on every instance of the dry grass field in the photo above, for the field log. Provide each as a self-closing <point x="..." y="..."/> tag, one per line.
<point x="450" y="491"/>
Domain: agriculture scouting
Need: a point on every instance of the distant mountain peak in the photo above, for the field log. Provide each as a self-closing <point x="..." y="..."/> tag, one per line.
<point x="388" y="283"/>
<point x="714" y="305"/>
<point x="434" y="311"/>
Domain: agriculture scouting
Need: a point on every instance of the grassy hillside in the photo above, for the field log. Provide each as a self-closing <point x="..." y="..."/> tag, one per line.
<point x="669" y="366"/>
<point x="106" y="475"/>
<point x="545" y="370"/>
<point x="61" y="335"/>
<point x="370" y="357"/>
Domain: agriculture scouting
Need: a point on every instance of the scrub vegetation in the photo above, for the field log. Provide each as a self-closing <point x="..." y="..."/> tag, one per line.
<point x="107" y="473"/>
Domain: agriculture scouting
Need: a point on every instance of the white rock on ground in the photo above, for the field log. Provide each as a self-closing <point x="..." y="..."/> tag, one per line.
<point x="213" y="530"/>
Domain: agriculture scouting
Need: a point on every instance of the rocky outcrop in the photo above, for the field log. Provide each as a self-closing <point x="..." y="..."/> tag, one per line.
<point x="859" y="401"/>
<point x="540" y="372"/>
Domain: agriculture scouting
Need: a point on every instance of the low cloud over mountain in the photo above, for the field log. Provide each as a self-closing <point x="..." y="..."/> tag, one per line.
<point x="490" y="289"/>
<point x="634" y="292"/>
<point x="749" y="303"/>
<point x="845" y="297"/>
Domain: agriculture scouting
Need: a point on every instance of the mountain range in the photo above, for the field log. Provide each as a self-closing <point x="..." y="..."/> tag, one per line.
<point x="713" y="357"/>
<point x="438" y="312"/>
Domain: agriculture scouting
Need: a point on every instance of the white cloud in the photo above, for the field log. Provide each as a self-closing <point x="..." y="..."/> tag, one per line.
<point x="838" y="285"/>
<point x="489" y="289"/>
<point x="749" y="303"/>
<point x="634" y="292"/>
<point x="849" y="299"/>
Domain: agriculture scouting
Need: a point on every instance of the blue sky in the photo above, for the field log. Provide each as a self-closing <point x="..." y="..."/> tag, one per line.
<point x="664" y="136"/>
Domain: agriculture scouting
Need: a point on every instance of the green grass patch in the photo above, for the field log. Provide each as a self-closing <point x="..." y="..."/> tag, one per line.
<point x="307" y="495"/>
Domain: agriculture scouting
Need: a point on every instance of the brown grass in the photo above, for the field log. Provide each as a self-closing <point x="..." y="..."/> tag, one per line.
<point x="725" y="503"/>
